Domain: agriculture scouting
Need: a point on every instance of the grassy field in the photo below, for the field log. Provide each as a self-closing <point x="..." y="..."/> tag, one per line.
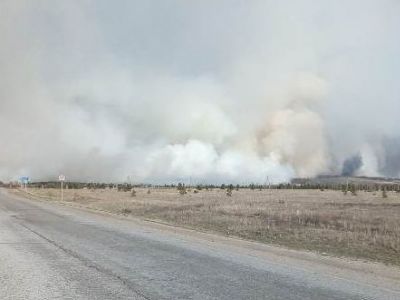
<point x="363" y="226"/>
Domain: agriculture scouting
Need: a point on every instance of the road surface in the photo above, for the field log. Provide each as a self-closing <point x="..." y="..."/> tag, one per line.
<point x="50" y="251"/>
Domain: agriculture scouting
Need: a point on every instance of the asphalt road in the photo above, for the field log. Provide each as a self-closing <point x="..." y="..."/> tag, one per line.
<point x="49" y="251"/>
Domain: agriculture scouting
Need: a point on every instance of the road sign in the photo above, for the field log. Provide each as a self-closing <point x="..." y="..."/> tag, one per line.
<point x="61" y="178"/>
<point x="24" y="179"/>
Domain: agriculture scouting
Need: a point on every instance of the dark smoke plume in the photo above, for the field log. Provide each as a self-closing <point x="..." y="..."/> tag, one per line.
<point x="352" y="165"/>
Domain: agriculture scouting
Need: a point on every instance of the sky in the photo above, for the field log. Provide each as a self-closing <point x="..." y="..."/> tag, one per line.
<point x="206" y="91"/>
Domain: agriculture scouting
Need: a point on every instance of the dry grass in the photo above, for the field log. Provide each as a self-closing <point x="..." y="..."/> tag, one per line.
<point x="365" y="226"/>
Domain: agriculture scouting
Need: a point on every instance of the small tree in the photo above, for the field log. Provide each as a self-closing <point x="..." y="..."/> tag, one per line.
<point x="182" y="189"/>
<point x="133" y="193"/>
<point x="344" y="189"/>
<point x="384" y="193"/>
<point x="353" y="190"/>
<point x="229" y="190"/>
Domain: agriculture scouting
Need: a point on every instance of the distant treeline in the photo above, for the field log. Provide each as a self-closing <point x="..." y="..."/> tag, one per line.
<point x="307" y="185"/>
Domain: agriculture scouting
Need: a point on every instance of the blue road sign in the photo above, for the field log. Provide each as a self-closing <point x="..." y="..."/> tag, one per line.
<point x="24" y="179"/>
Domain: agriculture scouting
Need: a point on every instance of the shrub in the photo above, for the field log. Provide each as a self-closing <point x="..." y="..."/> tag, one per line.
<point x="126" y="211"/>
<point x="182" y="189"/>
<point x="229" y="191"/>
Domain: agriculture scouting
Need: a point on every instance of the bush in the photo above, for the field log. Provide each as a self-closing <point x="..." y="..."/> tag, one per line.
<point x="182" y="189"/>
<point x="126" y="211"/>
<point x="229" y="191"/>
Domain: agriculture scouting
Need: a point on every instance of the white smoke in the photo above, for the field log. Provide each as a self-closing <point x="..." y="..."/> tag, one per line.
<point x="263" y="91"/>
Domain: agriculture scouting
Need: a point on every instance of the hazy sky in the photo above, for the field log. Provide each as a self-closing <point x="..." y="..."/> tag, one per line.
<point x="216" y="91"/>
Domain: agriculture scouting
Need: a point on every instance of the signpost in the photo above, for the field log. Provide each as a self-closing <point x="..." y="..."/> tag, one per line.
<point x="24" y="181"/>
<point x="61" y="178"/>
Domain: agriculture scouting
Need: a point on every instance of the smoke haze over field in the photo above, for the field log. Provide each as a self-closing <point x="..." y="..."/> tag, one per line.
<point x="216" y="91"/>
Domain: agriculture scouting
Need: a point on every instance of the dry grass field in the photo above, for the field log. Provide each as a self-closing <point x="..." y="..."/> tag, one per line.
<point x="363" y="226"/>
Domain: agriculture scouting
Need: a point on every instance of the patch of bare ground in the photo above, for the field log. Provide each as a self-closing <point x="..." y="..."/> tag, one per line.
<point x="365" y="225"/>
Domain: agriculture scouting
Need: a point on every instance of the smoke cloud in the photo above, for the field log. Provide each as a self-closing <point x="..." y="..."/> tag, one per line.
<point x="209" y="91"/>
<point x="352" y="165"/>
